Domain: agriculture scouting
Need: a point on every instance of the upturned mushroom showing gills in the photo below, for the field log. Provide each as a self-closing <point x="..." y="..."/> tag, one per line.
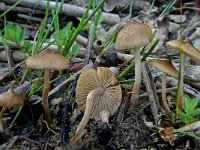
<point x="167" y="68"/>
<point x="133" y="36"/>
<point x="47" y="60"/>
<point x="98" y="93"/>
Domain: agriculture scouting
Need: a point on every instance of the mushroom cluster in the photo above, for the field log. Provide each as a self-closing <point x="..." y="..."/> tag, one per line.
<point x="47" y="60"/>
<point x="98" y="92"/>
<point x="133" y="36"/>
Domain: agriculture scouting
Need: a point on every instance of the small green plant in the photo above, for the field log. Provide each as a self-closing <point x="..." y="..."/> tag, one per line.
<point x="62" y="36"/>
<point x="54" y="123"/>
<point x="190" y="110"/>
<point x="14" y="33"/>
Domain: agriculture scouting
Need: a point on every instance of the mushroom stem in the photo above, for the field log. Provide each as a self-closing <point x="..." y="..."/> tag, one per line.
<point x="137" y="83"/>
<point x="1" y="118"/>
<point x="105" y="115"/>
<point x="88" y="110"/>
<point x="47" y="112"/>
<point x="89" y="103"/>
<point x="164" y="100"/>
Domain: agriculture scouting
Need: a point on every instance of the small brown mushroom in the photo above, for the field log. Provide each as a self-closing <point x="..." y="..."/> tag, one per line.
<point x="47" y="60"/>
<point x="133" y="36"/>
<point x="188" y="50"/>
<point x="10" y="99"/>
<point x="98" y="93"/>
<point x="167" y="68"/>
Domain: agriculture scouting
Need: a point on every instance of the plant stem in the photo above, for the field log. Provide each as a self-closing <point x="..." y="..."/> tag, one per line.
<point x="82" y="23"/>
<point x="131" y="10"/>
<point x="181" y="68"/>
<point x="10" y="8"/>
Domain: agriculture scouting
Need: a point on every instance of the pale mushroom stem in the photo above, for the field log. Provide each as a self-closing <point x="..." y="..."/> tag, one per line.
<point x="88" y="110"/>
<point x="1" y="118"/>
<point x="137" y="83"/>
<point x="105" y="115"/>
<point x="164" y="100"/>
<point x="89" y="103"/>
<point x="47" y="112"/>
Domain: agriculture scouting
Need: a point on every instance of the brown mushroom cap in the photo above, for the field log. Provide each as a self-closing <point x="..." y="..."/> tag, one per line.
<point x="164" y="65"/>
<point x="47" y="60"/>
<point x="188" y="49"/>
<point x="109" y="100"/>
<point x="11" y="99"/>
<point x="133" y="35"/>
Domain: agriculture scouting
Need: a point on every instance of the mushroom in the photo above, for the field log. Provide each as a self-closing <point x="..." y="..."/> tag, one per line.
<point x="188" y="50"/>
<point x="47" y="60"/>
<point x="131" y="37"/>
<point x="99" y="94"/>
<point x="186" y="47"/>
<point x="12" y="98"/>
<point x="167" y="68"/>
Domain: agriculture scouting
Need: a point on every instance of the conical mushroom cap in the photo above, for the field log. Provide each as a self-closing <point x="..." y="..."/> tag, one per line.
<point x="109" y="100"/>
<point x="47" y="60"/>
<point x="164" y="65"/>
<point x="188" y="49"/>
<point x="133" y="36"/>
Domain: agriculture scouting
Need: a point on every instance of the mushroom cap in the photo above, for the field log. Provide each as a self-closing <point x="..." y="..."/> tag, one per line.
<point x="133" y="35"/>
<point x="187" y="48"/>
<point x="47" y="60"/>
<point x="11" y="99"/>
<point x="110" y="99"/>
<point x="164" y="65"/>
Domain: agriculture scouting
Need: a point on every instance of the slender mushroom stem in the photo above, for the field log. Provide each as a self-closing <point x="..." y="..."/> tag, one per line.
<point x="105" y="115"/>
<point x="1" y="118"/>
<point x="47" y="112"/>
<point x="137" y="83"/>
<point x="88" y="110"/>
<point x="164" y="100"/>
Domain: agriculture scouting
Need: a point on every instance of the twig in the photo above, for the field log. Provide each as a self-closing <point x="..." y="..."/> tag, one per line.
<point x="120" y="56"/>
<point x="168" y="90"/>
<point x="153" y="103"/>
<point x="70" y="79"/>
<point x="65" y="124"/>
<point x="20" y="9"/>
<point x="12" y="141"/>
<point x="11" y="71"/>
<point x="49" y="129"/>
<point x="187" y="89"/>
<point x="186" y="31"/>
<point x="67" y="9"/>
<point x="88" y="51"/>
<point x="17" y="56"/>
<point x="29" y="17"/>
<point x="122" y="110"/>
